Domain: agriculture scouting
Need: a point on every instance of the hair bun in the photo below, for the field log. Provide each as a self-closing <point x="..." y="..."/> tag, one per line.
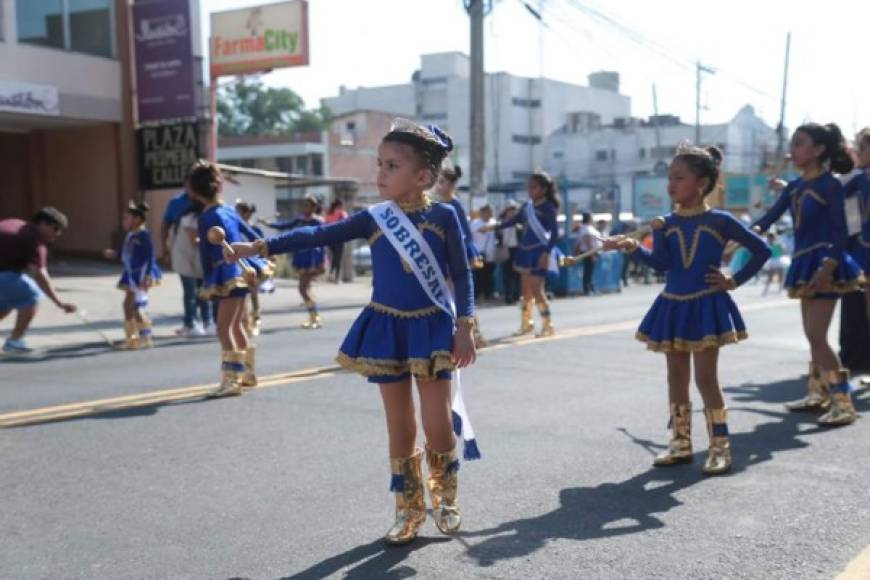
<point x="715" y="153"/>
<point x="458" y="171"/>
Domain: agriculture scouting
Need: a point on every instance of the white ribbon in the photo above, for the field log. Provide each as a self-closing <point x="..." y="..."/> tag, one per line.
<point x="411" y="246"/>
<point x="543" y="235"/>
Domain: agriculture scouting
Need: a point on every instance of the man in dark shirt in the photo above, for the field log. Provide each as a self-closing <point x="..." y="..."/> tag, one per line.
<point x="23" y="275"/>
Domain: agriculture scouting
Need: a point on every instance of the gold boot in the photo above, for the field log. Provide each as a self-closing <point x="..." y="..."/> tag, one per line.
<point x="231" y="372"/>
<point x="444" y="489"/>
<point x="546" y="323"/>
<point x="146" y="339"/>
<point x="842" y="411"/>
<point x="526" y="324"/>
<point x="479" y="340"/>
<point x="249" y="377"/>
<point x="313" y="316"/>
<point x="255" y="323"/>
<point x="818" y="397"/>
<point x="680" y="447"/>
<point x="131" y="336"/>
<point x="407" y="483"/>
<point x="719" y="455"/>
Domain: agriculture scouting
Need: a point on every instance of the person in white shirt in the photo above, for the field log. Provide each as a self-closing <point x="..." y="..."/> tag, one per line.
<point x="184" y="251"/>
<point x="510" y="240"/>
<point x="485" y="243"/>
<point x="588" y="239"/>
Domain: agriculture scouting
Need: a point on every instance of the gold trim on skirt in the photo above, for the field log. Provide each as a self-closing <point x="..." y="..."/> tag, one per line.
<point x="222" y="290"/>
<point x="680" y="345"/>
<point x="421" y="368"/>
<point x="802" y="289"/>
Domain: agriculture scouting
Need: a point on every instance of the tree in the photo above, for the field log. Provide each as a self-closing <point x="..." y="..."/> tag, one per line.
<point x="248" y="107"/>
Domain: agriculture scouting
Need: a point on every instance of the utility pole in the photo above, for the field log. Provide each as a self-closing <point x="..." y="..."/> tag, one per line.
<point x="699" y="68"/>
<point x="477" y="9"/>
<point x="656" y="124"/>
<point x="780" y="129"/>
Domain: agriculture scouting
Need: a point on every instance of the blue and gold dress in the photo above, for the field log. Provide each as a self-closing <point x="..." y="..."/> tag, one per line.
<point x="222" y="279"/>
<point x="531" y="248"/>
<point x="690" y="315"/>
<point x="401" y="332"/>
<point x="819" y="216"/>
<point x="309" y="260"/>
<point x="859" y="186"/>
<point x="140" y="263"/>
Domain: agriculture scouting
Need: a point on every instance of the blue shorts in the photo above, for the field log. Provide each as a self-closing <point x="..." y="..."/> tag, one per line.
<point x="17" y="291"/>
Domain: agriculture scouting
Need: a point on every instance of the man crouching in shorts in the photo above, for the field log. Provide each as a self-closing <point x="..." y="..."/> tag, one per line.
<point x="23" y="275"/>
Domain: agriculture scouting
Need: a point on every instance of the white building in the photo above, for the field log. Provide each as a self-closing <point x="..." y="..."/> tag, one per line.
<point x="596" y="161"/>
<point x="520" y="112"/>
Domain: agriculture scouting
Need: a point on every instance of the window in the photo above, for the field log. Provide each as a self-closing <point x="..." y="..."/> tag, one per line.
<point x="78" y="25"/>
<point x="285" y="164"/>
<point x="529" y="103"/>
<point x="641" y="153"/>
<point x="601" y="155"/>
<point x="435" y="81"/>
<point x="527" y="139"/>
<point x="41" y="22"/>
<point x="521" y="174"/>
<point x="350" y="126"/>
<point x="317" y="165"/>
<point x="90" y="27"/>
<point x="558" y="154"/>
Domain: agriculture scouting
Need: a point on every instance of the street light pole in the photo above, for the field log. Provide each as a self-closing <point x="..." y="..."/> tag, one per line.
<point x="477" y="9"/>
<point x="699" y="68"/>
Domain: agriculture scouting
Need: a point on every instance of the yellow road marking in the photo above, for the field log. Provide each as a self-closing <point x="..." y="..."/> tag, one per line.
<point x="70" y="410"/>
<point x="859" y="568"/>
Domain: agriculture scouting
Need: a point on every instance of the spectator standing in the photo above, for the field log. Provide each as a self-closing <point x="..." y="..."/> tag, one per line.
<point x="588" y="239"/>
<point x="485" y="243"/>
<point x="336" y="213"/>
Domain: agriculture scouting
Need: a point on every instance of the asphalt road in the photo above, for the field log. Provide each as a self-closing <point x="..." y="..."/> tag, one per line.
<point x="291" y="480"/>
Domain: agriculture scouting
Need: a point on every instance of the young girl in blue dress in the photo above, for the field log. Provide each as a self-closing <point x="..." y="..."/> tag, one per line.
<point x="821" y="269"/>
<point x="226" y="282"/>
<point x="402" y="334"/>
<point x="533" y="254"/>
<point x="141" y="273"/>
<point x="445" y="187"/>
<point x="859" y="187"/>
<point x="694" y="316"/>
<point x="310" y="262"/>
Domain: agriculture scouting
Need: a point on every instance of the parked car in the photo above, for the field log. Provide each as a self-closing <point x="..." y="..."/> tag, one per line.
<point x="362" y="260"/>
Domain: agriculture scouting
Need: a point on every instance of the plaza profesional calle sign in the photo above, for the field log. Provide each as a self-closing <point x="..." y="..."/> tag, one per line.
<point x="259" y="39"/>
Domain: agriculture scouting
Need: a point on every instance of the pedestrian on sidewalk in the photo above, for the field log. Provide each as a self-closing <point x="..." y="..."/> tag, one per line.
<point x="445" y="187"/>
<point x="141" y="273"/>
<point x="336" y="213"/>
<point x="308" y="263"/>
<point x="510" y="241"/>
<point x="24" y="278"/>
<point x="227" y="282"/>
<point x="587" y="240"/>
<point x="694" y="316"/>
<point x="821" y="268"/>
<point x="410" y="329"/>
<point x="176" y="248"/>
<point x="483" y="234"/>
<point x="186" y="261"/>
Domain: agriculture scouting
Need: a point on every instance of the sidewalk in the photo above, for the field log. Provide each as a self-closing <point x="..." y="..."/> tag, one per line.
<point x="92" y="287"/>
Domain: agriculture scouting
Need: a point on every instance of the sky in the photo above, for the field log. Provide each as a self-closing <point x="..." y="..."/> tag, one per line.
<point x="649" y="42"/>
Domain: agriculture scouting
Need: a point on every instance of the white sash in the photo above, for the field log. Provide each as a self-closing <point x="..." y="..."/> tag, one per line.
<point x="543" y="235"/>
<point x="411" y="246"/>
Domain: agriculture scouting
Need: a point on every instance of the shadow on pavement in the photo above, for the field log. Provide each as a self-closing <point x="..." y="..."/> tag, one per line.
<point x="373" y="560"/>
<point x="633" y="505"/>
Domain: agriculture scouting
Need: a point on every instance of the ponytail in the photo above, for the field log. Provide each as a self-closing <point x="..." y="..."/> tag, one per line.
<point x="835" y="152"/>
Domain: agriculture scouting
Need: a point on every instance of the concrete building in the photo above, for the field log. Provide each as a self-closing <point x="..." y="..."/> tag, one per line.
<point x="299" y="153"/>
<point x="353" y="149"/>
<point x="520" y="112"/>
<point x="597" y="161"/>
<point x="66" y="119"/>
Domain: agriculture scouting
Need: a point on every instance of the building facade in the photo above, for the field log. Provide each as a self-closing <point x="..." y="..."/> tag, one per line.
<point x="520" y="112"/>
<point x="597" y="162"/>
<point x="65" y="81"/>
